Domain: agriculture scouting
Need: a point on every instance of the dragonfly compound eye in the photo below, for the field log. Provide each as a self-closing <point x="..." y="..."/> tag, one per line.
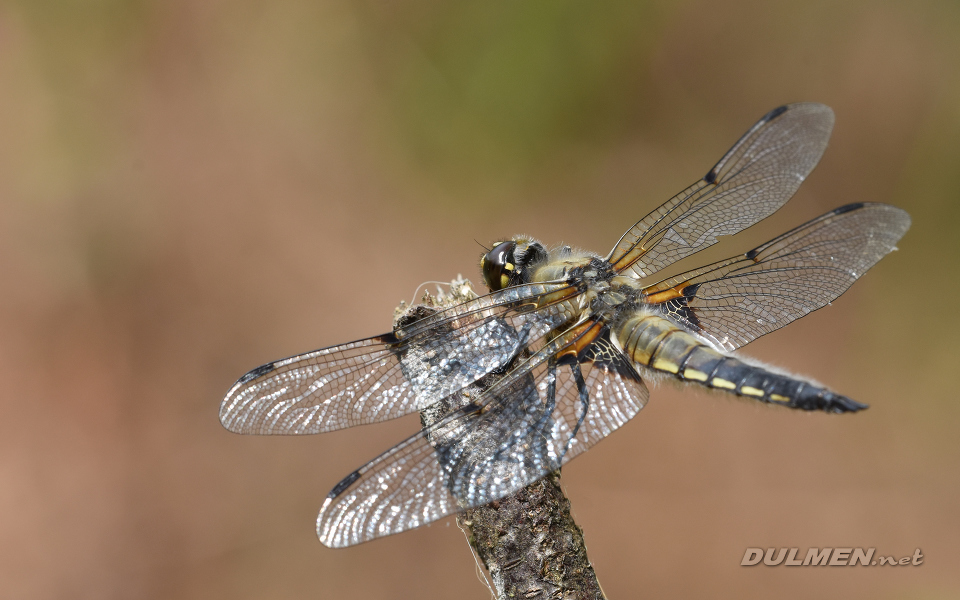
<point x="498" y="266"/>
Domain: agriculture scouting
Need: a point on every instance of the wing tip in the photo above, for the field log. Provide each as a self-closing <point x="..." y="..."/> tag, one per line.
<point x="808" y="107"/>
<point x="328" y="532"/>
<point x="229" y="419"/>
<point x="895" y="214"/>
<point x="814" y="116"/>
<point x="325" y="533"/>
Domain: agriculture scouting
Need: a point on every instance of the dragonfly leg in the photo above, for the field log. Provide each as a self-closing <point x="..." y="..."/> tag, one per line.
<point x="584" y="394"/>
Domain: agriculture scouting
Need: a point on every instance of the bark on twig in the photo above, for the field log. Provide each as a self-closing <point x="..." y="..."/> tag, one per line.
<point x="528" y="541"/>
<point x="531" y="545"/>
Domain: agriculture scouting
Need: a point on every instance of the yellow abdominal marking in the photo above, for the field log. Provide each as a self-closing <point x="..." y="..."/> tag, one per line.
<point x="723" y="383"/>
<point x="504" y="280"/>
<point x="665" y="365"/>
<point x="779" y="398"/>
<point x="694" y="374"/>
<point x="508" y="266"/>
<point x="751" y="391"/>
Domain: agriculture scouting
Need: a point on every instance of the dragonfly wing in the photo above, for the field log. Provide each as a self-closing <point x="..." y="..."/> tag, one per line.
<point x="755" y="178"/>
<point x="737" y="300"/>
<point x="394" y="374"/>
<point x="540" y="415"/>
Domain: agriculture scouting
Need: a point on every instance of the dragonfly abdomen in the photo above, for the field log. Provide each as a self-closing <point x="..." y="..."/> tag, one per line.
<point x="660" y="344"/>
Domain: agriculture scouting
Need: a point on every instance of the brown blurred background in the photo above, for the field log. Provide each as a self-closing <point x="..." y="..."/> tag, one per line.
<point x="190" y="189"/>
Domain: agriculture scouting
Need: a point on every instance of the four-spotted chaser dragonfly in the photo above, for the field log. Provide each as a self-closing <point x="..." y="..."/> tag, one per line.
<point x="555" y="357"/>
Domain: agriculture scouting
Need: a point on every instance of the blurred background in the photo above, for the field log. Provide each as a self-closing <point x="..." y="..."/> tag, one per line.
<point x="191" y="189"/>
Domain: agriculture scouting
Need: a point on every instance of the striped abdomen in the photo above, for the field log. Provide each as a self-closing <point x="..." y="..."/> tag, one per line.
<point x="658" y="343"/>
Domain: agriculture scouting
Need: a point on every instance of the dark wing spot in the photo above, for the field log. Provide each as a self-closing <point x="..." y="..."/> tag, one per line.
<point x="679" y="309"/>
<point x="691" y="290"/>
<point x="847" y="208"/>
<point x="343" y="485"/>
<point x="711" y="177"/>
<point x="773" y="114"/>
<point x="261" y="370"/>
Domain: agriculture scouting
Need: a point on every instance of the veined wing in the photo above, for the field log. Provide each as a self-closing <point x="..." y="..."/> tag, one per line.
<point x="737" y="300"/>
<point x="755" y="178"/>
<point x="394" y="374"/>
<point x="570" y="394"/>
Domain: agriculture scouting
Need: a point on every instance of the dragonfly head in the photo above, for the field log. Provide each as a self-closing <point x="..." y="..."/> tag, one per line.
<point x="509" y="263"/>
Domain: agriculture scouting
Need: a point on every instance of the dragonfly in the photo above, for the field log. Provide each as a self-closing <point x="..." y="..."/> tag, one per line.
<point x="557" y="355"/>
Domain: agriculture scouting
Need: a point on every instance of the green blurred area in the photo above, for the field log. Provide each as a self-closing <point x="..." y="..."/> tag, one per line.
<point x="493" y="89"/>
<point x="188" y="189"/>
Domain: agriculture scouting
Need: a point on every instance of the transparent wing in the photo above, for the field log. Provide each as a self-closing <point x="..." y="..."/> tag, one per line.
<point x="391" y="375"/>
<point x="737" y="300"/>
<point x="755" y="178"/>
<point x="536" y="418"/>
